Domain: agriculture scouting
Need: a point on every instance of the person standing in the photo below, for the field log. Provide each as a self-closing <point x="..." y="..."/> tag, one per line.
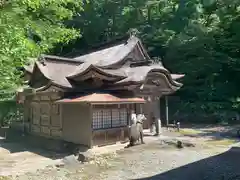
<point x="133" y="117"/>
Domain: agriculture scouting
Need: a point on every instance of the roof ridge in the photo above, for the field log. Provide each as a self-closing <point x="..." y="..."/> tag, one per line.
<point x="104" y="45"/>
<point x="59" y="58"/>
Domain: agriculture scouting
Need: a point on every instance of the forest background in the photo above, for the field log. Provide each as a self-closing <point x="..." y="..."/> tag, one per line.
<point x="198" y="38"/>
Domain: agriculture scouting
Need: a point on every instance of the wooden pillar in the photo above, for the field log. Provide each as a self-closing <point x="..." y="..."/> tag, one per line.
<point x="166" y="103"/>
<point x="141" y="108"/>
<point x="156" y="113"/>
<point x="135" y="108"/>
<point x="91" y="133"/>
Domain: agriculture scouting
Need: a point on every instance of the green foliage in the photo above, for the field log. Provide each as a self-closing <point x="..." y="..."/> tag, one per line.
<point x="199" y="38"/>
<point x="27" y="29"/>
<point x="10" y="111"/>
<point x="31" y="27"/>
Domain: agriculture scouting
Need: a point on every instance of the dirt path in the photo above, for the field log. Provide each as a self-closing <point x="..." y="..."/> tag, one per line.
<point x="22" y="162"/>
<point x="166" y="163"/>
<point x="153" y="160"/>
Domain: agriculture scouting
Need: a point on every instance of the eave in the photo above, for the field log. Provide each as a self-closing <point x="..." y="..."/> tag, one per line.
<point x="48" y="77"/>
<point x="92" y="71"/>
<point x="158" y="82"/>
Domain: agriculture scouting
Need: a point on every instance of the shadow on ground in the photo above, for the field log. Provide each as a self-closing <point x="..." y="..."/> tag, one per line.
<point x="53" y="149"/>
<point x="15" y="142"/>
<point x="224" y="166"/>
<point x="17" y="147"/>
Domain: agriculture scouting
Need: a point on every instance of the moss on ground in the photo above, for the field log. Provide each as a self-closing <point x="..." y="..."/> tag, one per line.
<point x="5" y="178"/>
<point x="222" y="142"/>
<point x="190" y="132"/>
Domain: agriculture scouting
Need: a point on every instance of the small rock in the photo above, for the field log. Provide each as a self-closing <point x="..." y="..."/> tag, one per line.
<point x="85" y="156"/>
<point x="70" y="160"/>
<point x="60" y="165"/>
<point x="179" y="144"/>
<point x="169" y="142"/>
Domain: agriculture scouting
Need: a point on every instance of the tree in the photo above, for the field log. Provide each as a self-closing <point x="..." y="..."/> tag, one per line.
<point x="199" y="38"/>
<point x="29" y="28"/>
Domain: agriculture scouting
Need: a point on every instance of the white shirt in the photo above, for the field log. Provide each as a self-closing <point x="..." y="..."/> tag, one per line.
<point x="133" y="118"/>
<point x="141" y="118"/>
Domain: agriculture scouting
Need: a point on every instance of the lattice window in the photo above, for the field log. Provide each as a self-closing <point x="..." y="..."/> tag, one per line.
<point x="123" y="117"/>
<point x="106" y="118"/>
<point x="97" y="119"/>
<point x="115" y="118"/>
<point x="109" y="118"/>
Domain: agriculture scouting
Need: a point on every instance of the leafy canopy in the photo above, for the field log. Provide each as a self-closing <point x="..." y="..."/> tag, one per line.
<point x="199" y="38"/>
<point x="31" y="27"/>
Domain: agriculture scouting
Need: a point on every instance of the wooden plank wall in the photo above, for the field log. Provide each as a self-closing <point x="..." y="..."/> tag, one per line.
<point x="45" y="116"/>
<point x="110" y="136"/>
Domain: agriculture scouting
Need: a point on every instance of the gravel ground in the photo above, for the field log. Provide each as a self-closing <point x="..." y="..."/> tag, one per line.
<point x="153" y="161"/>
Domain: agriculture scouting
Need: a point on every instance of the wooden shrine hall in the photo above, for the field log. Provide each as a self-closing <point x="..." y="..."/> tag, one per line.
<point x="88" y="99"/>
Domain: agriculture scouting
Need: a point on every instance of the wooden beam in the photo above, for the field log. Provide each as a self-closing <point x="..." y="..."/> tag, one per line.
<point x="166" y="103"/>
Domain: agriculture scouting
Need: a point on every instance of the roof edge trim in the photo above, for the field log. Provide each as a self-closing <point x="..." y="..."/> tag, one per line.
<point x="59" y="58"/>
<point x="93" y="68"/>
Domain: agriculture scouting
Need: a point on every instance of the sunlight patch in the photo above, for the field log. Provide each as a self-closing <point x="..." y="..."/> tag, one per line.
<point x="190" y="131"/>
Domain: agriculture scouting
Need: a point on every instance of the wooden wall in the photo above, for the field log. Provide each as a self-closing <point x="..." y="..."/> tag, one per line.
<point x="44" y="115"/>
<point x="77" y="122"/>
<point x="109" y="136"/>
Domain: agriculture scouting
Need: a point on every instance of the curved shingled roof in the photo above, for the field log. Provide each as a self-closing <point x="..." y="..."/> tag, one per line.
<point x="60" y="71"/>
<point x="139" y="74"/>
<point x="109" y="56"/>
